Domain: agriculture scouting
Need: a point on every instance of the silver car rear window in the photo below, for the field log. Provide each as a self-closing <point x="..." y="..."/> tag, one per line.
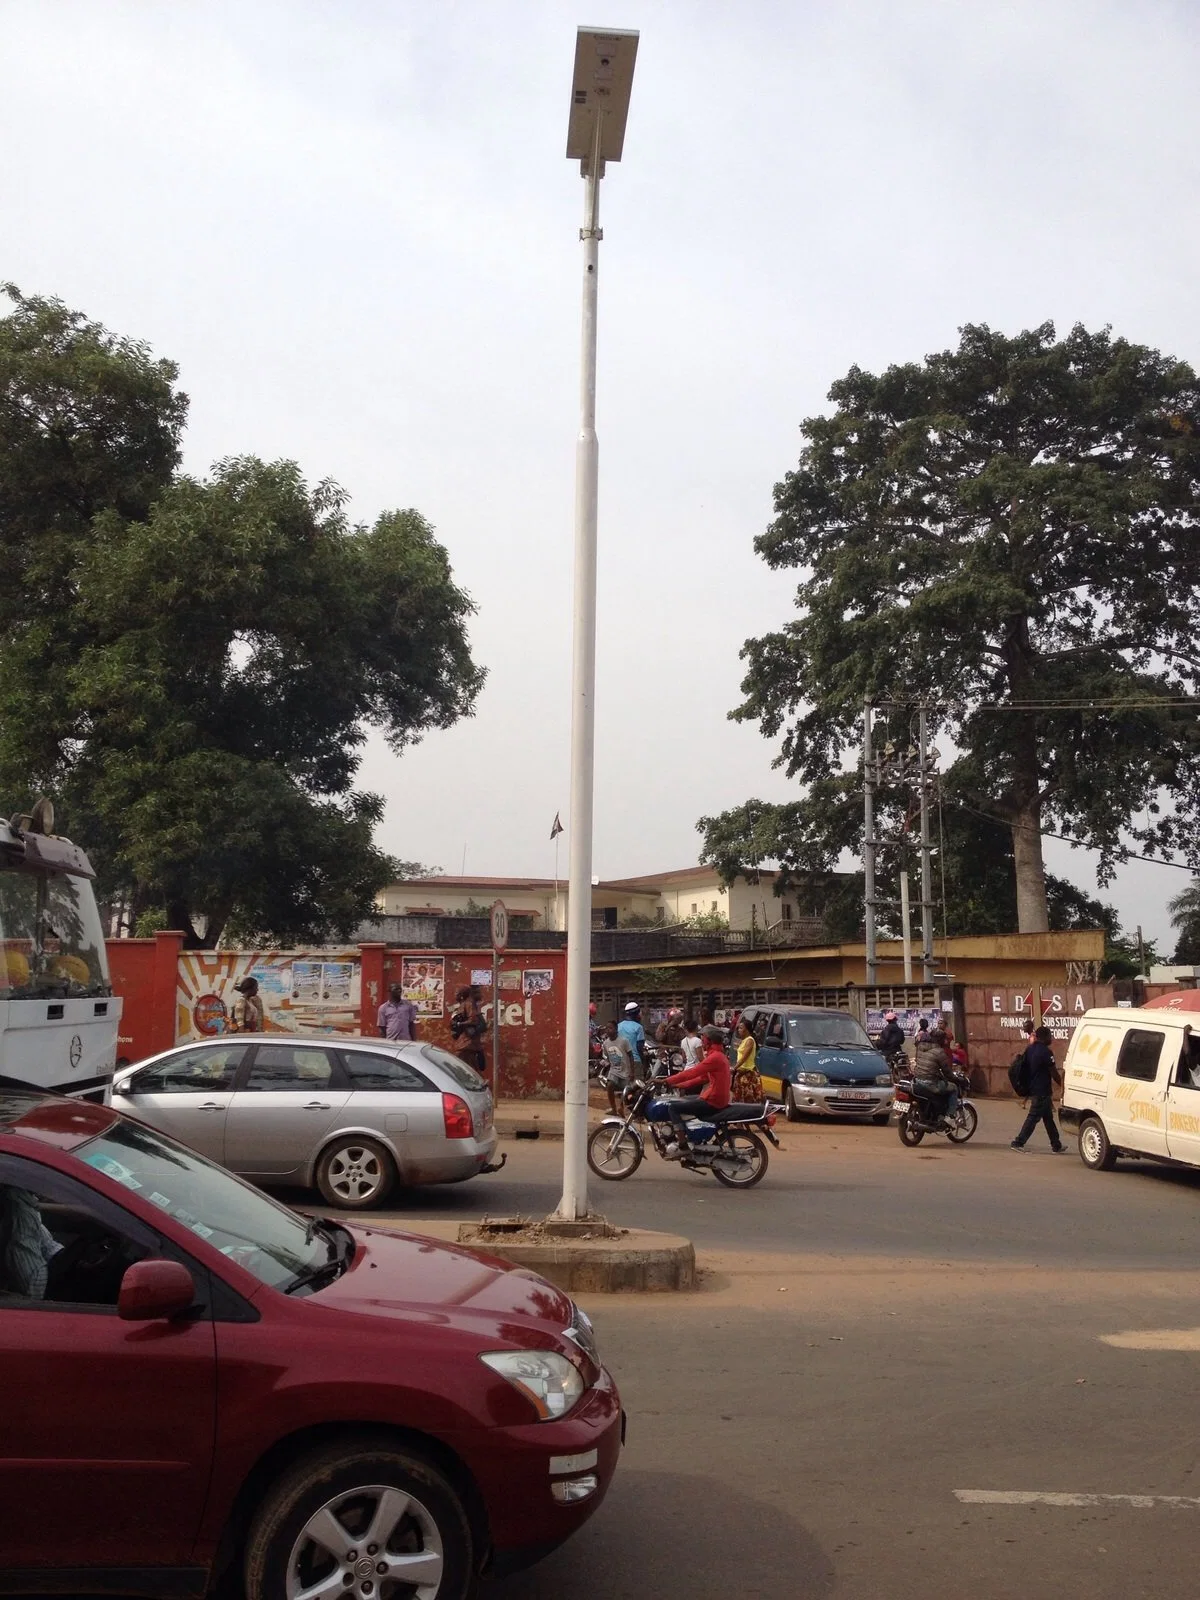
<point x="466" y="1077"/>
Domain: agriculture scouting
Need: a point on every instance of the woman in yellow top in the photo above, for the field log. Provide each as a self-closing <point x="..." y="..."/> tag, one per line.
<point x="747" y="1084"/>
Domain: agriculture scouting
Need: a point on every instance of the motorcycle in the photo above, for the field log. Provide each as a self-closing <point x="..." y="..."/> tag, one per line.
<point x="921" y="1108"/>
<point x="727" y="1144"/>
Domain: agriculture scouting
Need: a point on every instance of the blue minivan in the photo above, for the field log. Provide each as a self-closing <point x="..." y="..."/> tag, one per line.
<point x="819" y="1063"/>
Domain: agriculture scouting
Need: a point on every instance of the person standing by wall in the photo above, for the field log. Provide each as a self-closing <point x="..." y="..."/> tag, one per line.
<point x="747" y="1084"/>
<point x="692" y="1044"/>
<point x="467" y="1028"/>
<point x="1041" y="1074"/>
<point x="248" y="1014"/>
<point x="397" y="1017"/>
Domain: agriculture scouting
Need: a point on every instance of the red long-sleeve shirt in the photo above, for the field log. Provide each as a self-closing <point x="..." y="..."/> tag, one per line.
<point x="713" y="1071"/>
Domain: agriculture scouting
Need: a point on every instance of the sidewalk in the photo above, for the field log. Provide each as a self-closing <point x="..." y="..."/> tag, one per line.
<point x="542" y="1119"/>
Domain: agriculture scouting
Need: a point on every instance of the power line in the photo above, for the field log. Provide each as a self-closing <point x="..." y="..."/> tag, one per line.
<point x="1079" y="844"/>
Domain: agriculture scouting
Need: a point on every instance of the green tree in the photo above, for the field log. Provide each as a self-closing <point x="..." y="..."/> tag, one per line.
<point x="193" y="664"/>
<point x="1185" y="919"/>
<point x="1008" y="532"/>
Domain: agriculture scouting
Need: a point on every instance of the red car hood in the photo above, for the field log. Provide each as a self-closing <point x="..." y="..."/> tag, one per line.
<point x="409" y="1275"/>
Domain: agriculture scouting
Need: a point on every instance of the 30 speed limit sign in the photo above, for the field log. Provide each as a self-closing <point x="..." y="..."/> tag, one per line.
<point x="499" y="927"/>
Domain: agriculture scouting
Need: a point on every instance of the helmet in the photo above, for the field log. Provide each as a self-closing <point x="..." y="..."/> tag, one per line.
<point x="673" y="1013"/>
<point x="592" y="1009"/>
<point x="889" y="1016"/>
<point x="632" y="1006"/>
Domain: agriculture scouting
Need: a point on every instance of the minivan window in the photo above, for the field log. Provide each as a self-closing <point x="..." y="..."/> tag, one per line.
<point x="806" y="1032"/>
<point x="1140" y="1050"/>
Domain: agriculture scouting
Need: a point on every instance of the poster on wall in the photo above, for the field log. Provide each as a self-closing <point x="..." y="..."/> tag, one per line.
<point x="423" y="979"/>
<point x="537" y="980"/>
<point x="301" y="991"/>
<point x="481" y="977"/>
<point x="510" y="978"/>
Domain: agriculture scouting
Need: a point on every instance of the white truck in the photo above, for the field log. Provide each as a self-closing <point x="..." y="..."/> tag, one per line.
<point x="58" y="1015"/>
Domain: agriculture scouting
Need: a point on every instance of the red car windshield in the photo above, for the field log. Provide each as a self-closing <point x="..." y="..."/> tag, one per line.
<point x="266" y="1239"/>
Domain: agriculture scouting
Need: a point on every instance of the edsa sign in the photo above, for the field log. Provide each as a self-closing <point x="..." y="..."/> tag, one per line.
<point x="1061" y="1010"/>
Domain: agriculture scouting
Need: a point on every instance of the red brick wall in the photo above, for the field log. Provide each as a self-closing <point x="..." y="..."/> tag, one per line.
<point x="994" y="1016"/>
<point x="532" y="1026"/>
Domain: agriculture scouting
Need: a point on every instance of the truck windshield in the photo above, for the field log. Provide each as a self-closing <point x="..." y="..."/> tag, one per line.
<point x="805" y="1032"/>
<point x="51" y="940"/>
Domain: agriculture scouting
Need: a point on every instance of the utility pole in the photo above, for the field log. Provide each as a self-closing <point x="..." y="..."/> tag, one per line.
<point x="905" y="928"/>
<point x="869" y="847"/>
<point x="927" y="962"/>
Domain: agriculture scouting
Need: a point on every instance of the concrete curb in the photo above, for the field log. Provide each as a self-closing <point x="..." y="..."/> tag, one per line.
<point x="637" y="1260"/>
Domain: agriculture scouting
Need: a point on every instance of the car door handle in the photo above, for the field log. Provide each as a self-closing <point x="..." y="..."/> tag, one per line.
<point x="317" y="1105"/>
<point x="210" y="1105"/>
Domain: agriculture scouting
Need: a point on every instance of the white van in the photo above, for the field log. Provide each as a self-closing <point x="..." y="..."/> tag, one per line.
<point x="1132" y="1083"/>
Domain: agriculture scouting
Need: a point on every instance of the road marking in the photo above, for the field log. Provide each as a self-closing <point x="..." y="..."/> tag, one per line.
<point x="1154" y="1339"/>
<point x="1036" y="1497"/>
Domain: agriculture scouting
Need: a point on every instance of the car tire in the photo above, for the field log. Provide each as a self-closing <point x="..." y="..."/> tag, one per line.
<point x="355" y="1173"/>
<point x="358" y="1494"/>
<point x="790" y="1106"/>
<point x="1095" y="1151"/>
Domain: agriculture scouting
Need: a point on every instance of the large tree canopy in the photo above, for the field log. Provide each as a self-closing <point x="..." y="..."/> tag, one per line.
<point x="190" y="667"/>
<point x="1008" y="533"/>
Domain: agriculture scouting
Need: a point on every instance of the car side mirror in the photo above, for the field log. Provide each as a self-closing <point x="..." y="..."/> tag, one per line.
<point x="774" y="1041"/>
<point x="154" y="1289"/>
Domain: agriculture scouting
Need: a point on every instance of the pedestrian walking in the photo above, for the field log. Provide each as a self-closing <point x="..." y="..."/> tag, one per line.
<point x="248" y="1014"/>
<point x="397" y="1017"/>
<point x="747" y="1083"/>
<point x="1041" y="1074"/>
<point x="467" y="1028"/>
<point x="618" y="1065"/>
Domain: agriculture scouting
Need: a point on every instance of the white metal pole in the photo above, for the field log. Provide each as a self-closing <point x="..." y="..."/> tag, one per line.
<point x="869" y="849"/>
<point x="574" y="1203"/>
<point x="905" y="928"/>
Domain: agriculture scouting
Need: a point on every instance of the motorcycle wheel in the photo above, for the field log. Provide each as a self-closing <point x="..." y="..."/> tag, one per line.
<point x="746" y="1167"/>
<point x="962" y="1131"/>
<point x="614" y="1153"/>
<point x="909" y="1135"/>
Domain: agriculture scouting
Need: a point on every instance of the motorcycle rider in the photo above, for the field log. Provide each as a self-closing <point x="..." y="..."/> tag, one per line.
<point x="714" y="1072"/>
<point x="891" y="1038"/>
<point x="934" y="1070"/>
<point x="670" y="1031"/>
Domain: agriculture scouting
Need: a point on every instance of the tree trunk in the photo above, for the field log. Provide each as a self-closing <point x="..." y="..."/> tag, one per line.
<point x="1032" y="913"/>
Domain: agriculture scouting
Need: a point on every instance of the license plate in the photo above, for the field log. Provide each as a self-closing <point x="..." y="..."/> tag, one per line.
<point x="858" y="1095"/>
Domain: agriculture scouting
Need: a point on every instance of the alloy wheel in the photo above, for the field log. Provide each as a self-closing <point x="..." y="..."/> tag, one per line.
<point x="373" y="1543"/>
<point x="355" y="1173"/>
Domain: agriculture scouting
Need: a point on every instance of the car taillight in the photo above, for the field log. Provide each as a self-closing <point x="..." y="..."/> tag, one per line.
<point x="456" y="1114"/>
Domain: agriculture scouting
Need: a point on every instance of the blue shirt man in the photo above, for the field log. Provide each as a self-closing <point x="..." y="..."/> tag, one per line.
<point x="632" y="1032"/>
<point x="397" y="1017"/>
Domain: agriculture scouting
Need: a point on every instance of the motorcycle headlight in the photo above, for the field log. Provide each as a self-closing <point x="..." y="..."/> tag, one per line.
<point x="883" y="1080"/>
<point x="814" y="1078"/>
<point x="550" y="1381"/>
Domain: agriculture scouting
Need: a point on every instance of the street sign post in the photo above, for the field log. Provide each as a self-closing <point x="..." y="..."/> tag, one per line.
<point x="499" y="945"/>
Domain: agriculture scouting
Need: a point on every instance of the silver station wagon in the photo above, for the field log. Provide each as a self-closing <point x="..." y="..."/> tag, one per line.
<point x="352" y="1117"/>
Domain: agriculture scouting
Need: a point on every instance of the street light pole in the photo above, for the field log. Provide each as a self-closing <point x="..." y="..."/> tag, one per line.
<point x="600" y="89"/>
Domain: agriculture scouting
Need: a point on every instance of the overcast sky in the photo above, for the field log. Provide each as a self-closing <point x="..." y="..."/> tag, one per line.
<point x="353" y="226"/>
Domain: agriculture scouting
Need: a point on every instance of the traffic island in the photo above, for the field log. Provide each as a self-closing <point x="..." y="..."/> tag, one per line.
<point x="591" y="1257"/>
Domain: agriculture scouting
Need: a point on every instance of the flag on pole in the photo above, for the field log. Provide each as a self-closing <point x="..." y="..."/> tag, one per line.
<point x="557" y="828"/>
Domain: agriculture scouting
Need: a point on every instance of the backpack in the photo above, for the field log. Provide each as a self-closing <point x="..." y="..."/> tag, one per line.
<point x="1018" y="1075"/>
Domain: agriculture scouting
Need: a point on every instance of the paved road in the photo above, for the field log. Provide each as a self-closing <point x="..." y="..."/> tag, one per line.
<point x="880" y="1328"/>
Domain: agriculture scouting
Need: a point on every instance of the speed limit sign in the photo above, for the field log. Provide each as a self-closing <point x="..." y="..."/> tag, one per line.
<point x="499" y="926"/>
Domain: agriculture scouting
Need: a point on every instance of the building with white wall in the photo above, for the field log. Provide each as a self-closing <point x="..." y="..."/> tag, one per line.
<point x="664" y="897"/>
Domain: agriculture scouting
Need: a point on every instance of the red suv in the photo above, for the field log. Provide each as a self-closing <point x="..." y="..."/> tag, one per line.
<point x="198" y="1381"/>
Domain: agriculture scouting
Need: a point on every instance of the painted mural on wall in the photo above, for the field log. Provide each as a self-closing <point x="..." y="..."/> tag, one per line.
<point x="302" y="991"/>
